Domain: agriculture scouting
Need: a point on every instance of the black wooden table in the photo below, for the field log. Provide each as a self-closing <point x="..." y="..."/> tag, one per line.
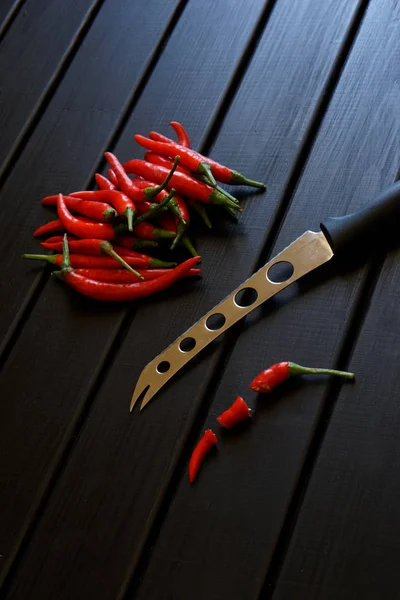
<point x="304" y="501"/>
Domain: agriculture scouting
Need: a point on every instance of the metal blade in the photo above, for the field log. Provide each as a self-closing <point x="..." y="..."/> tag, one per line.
<point x="306" y="253"/>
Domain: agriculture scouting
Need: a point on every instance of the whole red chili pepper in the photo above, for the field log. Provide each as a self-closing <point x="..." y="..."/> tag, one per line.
<point x="239" y="411"/>
<point x="170" y="225"/>
<point x="49" y="227"/>
<point x="183" y="138"/>
<point x="202" y="448"/>
<point x="134" y="243"/>
<point x="198" y="163"/>
<point x="276" y="374"/>
<point x="100" y="290"/>
<point x="123" y="276"/>
<point x="188" y="186"/>
<point x="122" y="204"/>
<point x="147" y="231"/>
<point x="103" y="183"/>
<point x="176" y="204"/>
<point x="85" y="228"/>
<point x="155" y="209"/>
<point x="98" y="211"/>
<point x="84" y="261"/>
<point x="130" y="188"/>
<point x="113" y="178"/>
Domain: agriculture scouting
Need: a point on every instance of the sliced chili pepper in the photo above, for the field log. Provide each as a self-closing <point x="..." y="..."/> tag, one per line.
<point x="134" y="244"/>
<point x="85" y="228"/>
<point x="197" y="162"/>
<point x="103" y="183"/>
<point x="147" y="231"/>
<point x="202" y="448"/>
<point x="100" y="290"/>
<point x="123" y="276"/>
<point x="49" y="227"/>
<point x="276" y="374"/>
<point x="122" y="204"/>
<point x="98" y="211"/>
<point x="130" y="188"/>
<point x="239" y="411"/>
<point x="188" y="186"/>
<point x="84" y="261"/>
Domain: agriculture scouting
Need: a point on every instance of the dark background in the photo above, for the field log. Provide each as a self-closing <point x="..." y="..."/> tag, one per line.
<point x="303" y="502"/>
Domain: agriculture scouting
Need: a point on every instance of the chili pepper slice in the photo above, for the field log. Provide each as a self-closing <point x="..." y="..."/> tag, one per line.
<point x="197" y="162"/>
<point x="100" y="290"/>
<point x="123" y="276"/>
<point x="49" y="227"/>
<point x="239" y="411"/>
<point x="85" y="228"/>
<point x="202" y="448"/>
<point x="130" y="188"/>
<point x="267" y="380"/>
<point x="188" y="186"/>
<point x="103" y="183"/>
<point x="84" y="261"/>
<point x="98" y="211"/>
<point x="122" y="204"/>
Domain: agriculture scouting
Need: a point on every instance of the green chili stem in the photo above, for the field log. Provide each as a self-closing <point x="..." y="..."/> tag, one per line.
<point x="155" y="208"/>
<point x="152" y="192"/>
<point x="295" y="369"/>
<point x="108" y="249"/>
<point x="205" y="169"/>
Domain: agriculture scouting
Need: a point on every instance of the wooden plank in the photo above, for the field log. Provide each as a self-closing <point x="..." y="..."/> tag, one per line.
<point x="71" y="136"/>
<point x="220" y="536"/>
<point x="37" y="51"/>
<point x="8" y="12"/>
<point x="60" y="155"/>
<point x="100" y="513"/>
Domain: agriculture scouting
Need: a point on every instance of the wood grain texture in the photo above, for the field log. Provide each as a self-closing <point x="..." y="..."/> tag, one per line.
<point x="37" y="409"/>
<point x="98" y="518"/>
<point x="36" y="46"/>
<point x="8" y="12"/>
<point x="77" y="331"/>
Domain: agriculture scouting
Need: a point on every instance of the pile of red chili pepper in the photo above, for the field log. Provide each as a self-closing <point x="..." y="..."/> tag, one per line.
<point x="142" y="205"/>
<point x="265" y="382"/>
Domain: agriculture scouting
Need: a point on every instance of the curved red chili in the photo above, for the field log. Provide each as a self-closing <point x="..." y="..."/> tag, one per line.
<point x="84" y="261"/>
<point x="100" y="290"/>
<point x="202" y="448"/>
<point x="89" y="246"/>
<point x="123" y="276"/>
<point x="103" y="183"/>
<point x="197" y="162"/>
<point x="129" y="187"/>
<point x="188" y="186"/>
<point x="267" y="380"/>
<point x="98" y="211"/>
<point x="122" y="204"/>
<point x="239" y="411"/>
<point x="81" y="227"/>
<point x="183" y="137"/>
<point x="49" y="227"/>
<point x="134" y="243"/>
<point x="113" y="178"/>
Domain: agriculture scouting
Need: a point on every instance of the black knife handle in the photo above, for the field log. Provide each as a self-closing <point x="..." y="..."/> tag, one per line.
<point x="375" y="226"/>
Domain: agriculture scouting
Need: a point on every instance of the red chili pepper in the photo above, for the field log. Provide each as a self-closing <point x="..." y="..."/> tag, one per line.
<point x="122" y="204"/>
<point x="103" y="183"/>
<point x="84" y="261"/>
<point x="85" y="228"/>
<point x="123" y="276"/>
<point x="188" y="186"/>
<point x="98" y="211"/>
<point x="239" y="411"/>
<point x="130" y="188"/>
<point x="113" y="178"/>
<point x="147" y="231"/>
<point x="276" y="374"/>
<point x="170" y="225"/>
<point x="134" y="244"/>
<point x="202" y="448"/>
<point x="100" y="290"/>
<point x="49" y="227"/>
<point x="183" y="137"/>
<point x="198" y="163"/>
<point x="89" y="246"/>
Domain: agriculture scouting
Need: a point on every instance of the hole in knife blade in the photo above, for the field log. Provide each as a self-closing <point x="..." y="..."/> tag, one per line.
<point x="215" y="321"/>
<point x="163" y="366"/>
<point x="246" y="297"/>
<point x="280" y="272"/>
<point x="187" y="344"/>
